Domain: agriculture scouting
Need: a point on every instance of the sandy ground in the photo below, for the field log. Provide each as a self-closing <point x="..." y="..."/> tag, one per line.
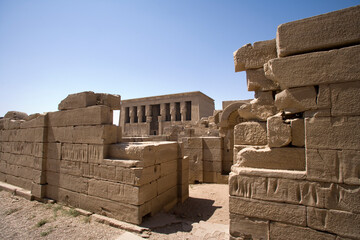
<point x="205" y="215"/>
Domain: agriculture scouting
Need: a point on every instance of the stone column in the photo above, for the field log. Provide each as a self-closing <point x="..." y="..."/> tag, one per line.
<point x="131" y="114"/>
<point x="139" y="114"/>
<point x="183" y="111"/>
<point x="173" y="112"/>
<point x="148" y="113"/>
<point x="162" y="117"/>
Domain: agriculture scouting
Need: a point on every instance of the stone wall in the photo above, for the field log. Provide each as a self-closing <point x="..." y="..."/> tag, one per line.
<point x="73" y="156"/>
<point x="297" y="154"/>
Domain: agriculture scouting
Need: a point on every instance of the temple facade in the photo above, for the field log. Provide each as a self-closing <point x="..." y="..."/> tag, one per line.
<point x="152" y="115"/>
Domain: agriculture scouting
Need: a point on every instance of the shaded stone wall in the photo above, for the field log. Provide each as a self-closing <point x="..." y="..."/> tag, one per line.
<point x="298" y="154"/>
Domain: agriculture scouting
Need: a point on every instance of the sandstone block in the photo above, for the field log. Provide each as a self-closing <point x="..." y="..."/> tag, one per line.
<point x="338" y="222"/>
<point x="345" y="98"/>
<point x="256" y="111"/>
<point x="16" y="115"/>
<point x="74" y="152"/>
<point x="110" y="100"/>
<point x="209" y="166"/>
<point x="315" y="68"/>
<point x="278" y="131"/>
<point x="250" y="133"/>
<point x="213" y="142"/>
<point x="281" y="212"/>
<point x="213" y="155"/>
<point x="192" y="142"/>
<point x="274" y="158"/>
<point x="102" y="171"/>
<point x="78" y="100"/>
<point x="330" y="30"/>
<point x="256" y="81"/>
<point x="285" y="231"/>
<point x="19" y="182"/>
<point x="101" y="134"/>
<point x="296" y="100"/>
<point x="96" y="153"/>
<point x="332" y="132"/>
<point x="165" y="183"/>
<point x="94" y="115"/>
<point x="350" y="166"/>
<point x="343" y="197"/>
<point x="70" y="182"/>
<point x="169" y="167"/>
<point x="39" y="120"/>
<point x="265" y="98"/>
<point x="244" y="227"/>
<point x="254" y="56"/>
<point x="60" y="134"/>
<point x="162" y="200"/>
<point x="297" y="132"/>
<point x="322" y="165"/>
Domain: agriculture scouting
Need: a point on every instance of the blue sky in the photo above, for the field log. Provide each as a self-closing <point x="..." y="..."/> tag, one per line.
<point x="135" y="48"/>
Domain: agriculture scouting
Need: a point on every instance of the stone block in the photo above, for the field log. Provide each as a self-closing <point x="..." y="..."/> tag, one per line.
<point x="265" y="98"/>
<point x="213" y="155"/>
<point x="296" y="100"/>
<point x="161" y="201"/>
<point x="101" y="134"/>
<point x="250" y="133"/>
<point x="281" y="212"/>
<point x="322" y="165"/>
<point x="297" y="132"/>
<point x="94" y="115"/>
<point x="102" y="171"/>
<point x="325" y="31"/>
<point x="16" y="115"/>
<point x="343" y="197"/>
<point x="244" y="227"/>
<point x="350" y="166"/>
<point x="339" y="222"/>
<point x="274" y="158"/>
<point x="213" y="143"/>
<point x="66" y="181"/>
<point x="169" y="167"/>
<point x="254" y="56"/>
<point x="193" y="142"/>
<point x="74" y="152"/>
<point x="256" y="81"/>
<point x="345" y="98"/>
<point x="78" y="100"/>
<point x="110" y="100"/>
<point x="166" y="182"/>
<point x="96" y="153"/>
<point x="60" y="134"/>
<point x="316" y="68"/>
<point x="210" y="166"/>
<point x="71" y="168"/>
<point x="332" y="133"/>
<point x="284" y="231"/>
<point x="39" y="121"/>
<point x="19" y="182"/>
<point x="256" y="111"/>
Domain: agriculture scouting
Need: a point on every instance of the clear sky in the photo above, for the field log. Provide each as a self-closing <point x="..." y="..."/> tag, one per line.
<point x="134" y="48"/>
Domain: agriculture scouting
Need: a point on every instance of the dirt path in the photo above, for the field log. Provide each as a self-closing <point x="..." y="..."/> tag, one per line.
<point x="205" y="215"/>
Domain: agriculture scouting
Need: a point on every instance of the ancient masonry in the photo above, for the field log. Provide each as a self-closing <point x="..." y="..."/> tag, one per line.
<point x="293" y="152"/>
<point x="75" y="156"/>
<point x="297" y="171"/>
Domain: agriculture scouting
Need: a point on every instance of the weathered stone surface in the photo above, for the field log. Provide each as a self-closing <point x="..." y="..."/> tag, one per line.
<point x="104" y="134"/>
<point x="254" y="56"/>
<point x="350" y="166"/>
<point x="213" y="142"/>
<point x="274" y="158"/>
<point x="213" y="155"/>
<point x="16" y="115"/>
<point x="78" y="100"/>
<point x="110" y="100"/>
<point x="39" y="120"/>
<point x="339" y="222"/>
<point x="169" y="167"/>
<point x="265" y="98"/>
<point x="69" y="182"/>
<point x="332" y="133"/>
<point x="166" y="182"/>
<point x="74" y="152"/>
<point x="284" y="232"/>
<point x="297" y="132"/>
<point x="330" y="30"/>
<point x="281" y="212"/>
<point x="192" y="142"/>
<point x="256" y="111"/>
<point x="241" y="226"/>
<point x="250" y="133"/>
<point x="256" y="81"/>
<point x="296" y="100"/>
<point x="343" y="197"/>
<point x="94" y="115"/>
<point x="278" y="132"/>
<point x="315" y="68"/>
<point x="345" y="98"/>
<point x="322" y="165"/>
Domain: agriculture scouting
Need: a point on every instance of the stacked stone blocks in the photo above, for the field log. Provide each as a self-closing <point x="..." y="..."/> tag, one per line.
<point x="300" y="178"/>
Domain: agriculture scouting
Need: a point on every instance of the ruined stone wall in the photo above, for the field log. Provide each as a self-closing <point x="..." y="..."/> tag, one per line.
<point x="73" y="156"/>
<point x="298" y="154"/>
